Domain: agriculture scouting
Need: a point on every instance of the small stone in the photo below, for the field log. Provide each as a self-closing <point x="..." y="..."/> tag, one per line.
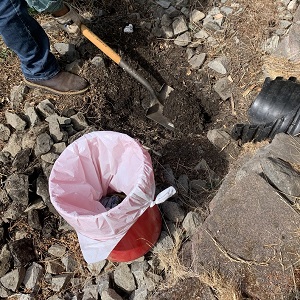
<point x="168" y="175"/>
<point x="103" y="282"/>
<point x="55" y="124"/>
<point x="13" y="279"/>
<point x="17" y="95"/>
<point x="57" y="250"/>
<point x="110" y="294"/>
<point x="15" y="121"/>
<point x="69" y="262"/>
<point x="165" y="20"/>
<point x="173" y="211"/>
<point x="167" y="32"/>
<point x="210" y="24"/>
<point x="164" y="3"/>
<point x="59" y="147"/>
<point x="226" y="10"/>
<point x="183" y="185"/>
<point x="201" y="34"/>
<point x="96" y="268"/>
<point x="183" y="39"/>
<point x="32" y="116"/>
<point x="14" y="144"/>
<point x="90" y="292"/>
<point x="17" y="186"/>
<point x="75" y="66"/>
<point x="34" y="219"/>
<point x="21" y="160"/>
<point x="22" y="251"/>
<point x="46" y="108"/>
<point x="196" y="16"/>
<point x="98" y="61"/>
<point x="67" y="51"/>
<point x="197" y="60"/>
<point x="50" y="157"/>
<point x="4" y="133"/>
<point x="191" y="222"/>
<point x="292" y="6"/>
<point x="172" y="12"/>
<point x="43" y="144"/>
<point x="164" y="243"/>
<point x="271" y="44"/>
<point x="60" y="282"/>
<point x="124" y="278"/>
<point x="179" y="25"/>
<point x="33" y="276"/>
<point x="54" y="267"/>
<point x="223" y="88"/>
<point x="218" y="66"/>
<point x="79" y="121"/>
<point x="5" y="258"/>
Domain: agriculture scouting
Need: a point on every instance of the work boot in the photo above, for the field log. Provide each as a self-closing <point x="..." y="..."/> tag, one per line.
<point x="64" y="83"/>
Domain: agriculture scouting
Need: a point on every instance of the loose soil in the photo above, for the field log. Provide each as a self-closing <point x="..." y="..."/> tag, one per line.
<point x="117" y="102"/>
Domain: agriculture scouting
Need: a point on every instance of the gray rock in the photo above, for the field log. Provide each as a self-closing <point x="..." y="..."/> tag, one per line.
<point x="183" y="39"/>
<point x="98" y="61"/>
<point x="5" y="258"/>
<point x="70" y="263"/>
<point x="197" y="60"/>
<point x="271" y="44"/>
<point x="164" y="3"/>
<point x="22" y="251"/>
<point x="201" y="34"/>
<point x="198" y="185"/>
<point x="218" y="65"/>
<point x="165" y="20"/>
<point x="58" y="147"/>
<point x="110" y="294"/>
<point x="17" y="186"/>
<point x="210" y="24"/>
<point x="55" y="124"/>
<point x="46" y="108"/>
<point x="185" y="11"/>
<point x="164" y="243"/>
<point x="226" y="10"/>
<point x="191" y="222"/>
<point x="284" y="24"/>
<point x="43" y="144"/>
<point x="196" y="16"/>
<point x="189" y="53"/>
<point x="75" y="66"/>
<point x="54" y="267"/>
<point x="60" y="282"/>
<point x="157" y="31"/>
<point x="17" y="95"/>
<point x="79" y="121"/>
<point x="29" y="136"/>
<point x="203" y="166"/>
<point x="292" y="5"/>
<point x="179" y="25"/>
<point x="15" y="121"/>
<point x="123" y="278"/>
<point x="14" y="144"/>
<point x="172" y="12"/>
<point x="139" y="294"/>
<point x="96" y="268"/>
<point x="13" y="279"/>
<point x="102" y="282"/>
<point x="43" y="192"/>
<point x="90" y="292"/>
<point x="4" y="293"/>
<point x="57" y="250"/>
<point x="34" y="219"/>
<point x="167" y="32"/>
<point x="173" y="211"/>
<point x="67" y="51"/>
<point x="168" y="175"/>
<point x="223" y="88"/>
<point x="49" y="157"/>
<point x="32" y="116"/>
<point x="4" y="133"/>
<point x="21" y="160"/>
<point x="5" y="158"/>
<point x="33" y="277"/>
<point x="47" y="171"/>
<point x="183" y="185"/>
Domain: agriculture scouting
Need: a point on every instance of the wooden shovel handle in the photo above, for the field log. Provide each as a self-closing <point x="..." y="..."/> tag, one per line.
<point x="100" y="44"/>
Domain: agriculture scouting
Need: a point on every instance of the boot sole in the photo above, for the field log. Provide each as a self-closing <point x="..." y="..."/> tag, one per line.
<point x="35" y="85"/>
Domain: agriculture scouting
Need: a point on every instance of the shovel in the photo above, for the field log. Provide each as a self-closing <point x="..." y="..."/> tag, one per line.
<point x="155" y="110"/>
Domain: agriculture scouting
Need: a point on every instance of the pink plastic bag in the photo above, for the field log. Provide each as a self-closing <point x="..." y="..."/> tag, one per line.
<point x="93" y="166"/>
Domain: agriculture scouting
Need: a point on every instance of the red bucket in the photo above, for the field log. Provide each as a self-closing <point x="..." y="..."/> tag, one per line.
<point x="140" y="238"/>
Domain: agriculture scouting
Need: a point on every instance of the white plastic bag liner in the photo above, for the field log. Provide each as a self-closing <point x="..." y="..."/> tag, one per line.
<point x="93" y="166"/>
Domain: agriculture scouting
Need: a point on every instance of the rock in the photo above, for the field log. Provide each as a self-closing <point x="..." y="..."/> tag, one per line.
<point x="183" y="39"/>
<point x="60" y="282"/>
<point x="179" y="25"/>
<point x="4" y="293"/>
<point x="5" y="258"/>
<point x="196" y="16"/>
<point x="49" y="157"/>
<point x="168" y="175"/>
<point x="13" y="279"/>
<point x="22" y="251"/>
<point x="75" y="66"/>
<point x="16" y="186"/>
<point x="191" y="222"/>
<point x="57" y="250"/>
<point x="5" y="158"/>
<point x="46" y="108"/>
<point x="165" y="243"/>
<point x="226" y="10"/>
<point x="15" y="121"/>
<point x="198" y="185"/>
<point x="271" y="44"/>
<point x="110" y="294"/>
<point x="173" y="211"/>
<point x="223" y="88"/>
<point x="69" y="262"/>
<point x="98" y="61"/>
<point x="90" y="292"/>
<point x="164" y="3"/>
<point x="34" y="219"/>
<point x="21" y="160"/>
<point x="172" y="12"/>
<point x="197" y="60"/>
<point x="183" y="185"/>
<point x="43" y="144"/>
<point x="201" y="34"/>
<point x="218" y="65"/>
<point x="165" y="20"/>
<point x="103" y="282"/>
<point x="167" y="32"/>
<point x="79" y="121"/>
<point x="123" y="278"/>
<point x="32" y="116"/>
<point x="58" y="147"/>
<point x="67" y="51"/>
<point x="42" y="191"/>
<point x="292" y="5"/>
<point x="54" y="267"/>
<point x="139" y="294"/>
<point x="55" y="127"/>
<point x="96" y="268"/>
<point x="4" y="133"/>
<point x="210" y="24"/>
<point x="213" y="178"/>
<point x="33" y="277"/>
<point x="30" y="136"/>
<point x="17" y="95"/>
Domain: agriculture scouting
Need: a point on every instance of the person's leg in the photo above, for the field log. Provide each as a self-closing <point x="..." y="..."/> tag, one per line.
<point x="27" y="39"/>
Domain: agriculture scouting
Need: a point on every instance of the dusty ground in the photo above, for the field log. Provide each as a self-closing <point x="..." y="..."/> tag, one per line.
<point x="114" y="99"/>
